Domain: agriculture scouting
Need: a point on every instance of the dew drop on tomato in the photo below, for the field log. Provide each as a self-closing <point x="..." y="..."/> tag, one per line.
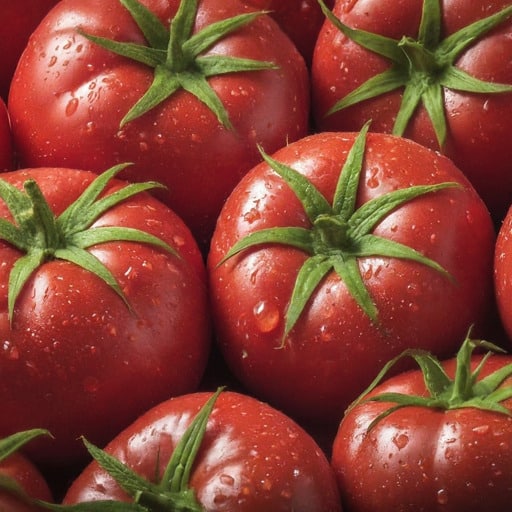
<point x="266" y="315"/>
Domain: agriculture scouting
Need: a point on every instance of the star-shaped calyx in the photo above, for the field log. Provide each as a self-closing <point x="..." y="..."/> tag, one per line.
<point x="339" y="234"/>
<point x="423" y="67"/>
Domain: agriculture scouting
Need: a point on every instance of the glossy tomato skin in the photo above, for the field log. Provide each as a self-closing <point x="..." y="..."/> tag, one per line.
<point x="6" y="151"/>
<point x="478" y="124"/>
<point x="76" y="360"/>
<point x="503" y="273"/>
<point x="301" y="20"/>
<point x="19" y="19"/>
<point x="27" y="475"/>
<point x="425" y="460"/>
<point x="252" y="458"/>
<point x="334" y="350"/>
<point x="83" y="92"/>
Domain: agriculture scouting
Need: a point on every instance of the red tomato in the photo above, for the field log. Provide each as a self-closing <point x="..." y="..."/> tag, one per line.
<point x="6" y="153"/>
<point x="335" y="346"/>
<point x="70" y="95"/>
<point x="74" y="348"/>
<point x="503" y="273"/>
<point x="22" y="475"/>
<point x="252" y="458"/>
<point x="477" y="124"/>
<point x="19" y="19"/>
<point x="301" y="20"/>
<point x="420" y="458"/>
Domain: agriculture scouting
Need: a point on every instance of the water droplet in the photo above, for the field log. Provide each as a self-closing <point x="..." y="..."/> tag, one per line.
<point x="373" y="181"/>
<point x="442" y="497"/>
<point x="401" y="441"/>
<point x="266" y="315"/>
<point x="72" y="106"/>
<point x="481" y="429"/>
<point x="252" y="215"/>
<point x="227" y="479"/>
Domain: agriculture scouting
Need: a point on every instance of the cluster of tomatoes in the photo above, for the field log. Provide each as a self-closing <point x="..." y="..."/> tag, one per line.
<point x="229" y="229"/>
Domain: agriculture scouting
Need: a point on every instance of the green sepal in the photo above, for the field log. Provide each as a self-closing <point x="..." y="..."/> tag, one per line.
<point x="175" y="55"/>
<point x="42" y="236"/>
<point x="465" y="390"/>
<point x="423" y="67"/>
<point x="171" y="493"/>
<point x="339" y="234"/>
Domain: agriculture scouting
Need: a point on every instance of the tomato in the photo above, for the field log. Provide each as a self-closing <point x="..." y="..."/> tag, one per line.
<point x="445" y="447"/>
<point x="438" y="79"/>
<point x="503" y="273"/>
<point x="251" y="457"/>
<point x="20" y="479"/>
<point x="301" y="20"/>
<point x="103" y="307"/>
<point x="19" y="19"/>
<point x="6" y="151"/>
<point x="305" y="307"/>
<point x="72" y="101"/>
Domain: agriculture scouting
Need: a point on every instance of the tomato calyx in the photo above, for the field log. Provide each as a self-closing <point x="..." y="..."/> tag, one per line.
<point x="340" y="233"/>
<point x="175" y="55"/>
<point x="423" y="67"/>
<point x="10" y="445"/>
<point x="465" y="390"/>
<point x="42" y="236"/>
<point x="171" y="493"/>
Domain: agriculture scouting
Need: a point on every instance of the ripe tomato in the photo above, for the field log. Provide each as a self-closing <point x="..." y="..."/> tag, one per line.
<point x="251" y="458"/>
<point x="301" y="20"/>
<point x="19" y="477"/>
<point x="6" y="153"/>
<point x="446" y="447"/>
<point x="432" y="82"/>
<point x="306" y="317"/>
<point x="106" y="320"/>
<point x="503" y="273"/>
<point x="71" y="96"/>
<point x="19" y="20"/>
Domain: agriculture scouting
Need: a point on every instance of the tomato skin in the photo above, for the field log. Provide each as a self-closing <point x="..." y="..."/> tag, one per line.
<point x="252" y="458"/>
<point x="424" y="460"/>
<point x="19" y="21"/>
<point x="6" y="151"/>
<point x="75" y="351"/>
<point x="334" y="350"/>
<point x="25" y="473"/>
<point x="480" y="149"/>
<point x="503" y="273"/>
<point x="301" y="20"/>
<point x="83" y="95"/>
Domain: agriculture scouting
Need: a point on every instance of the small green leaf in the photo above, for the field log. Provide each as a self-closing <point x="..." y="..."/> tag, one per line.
<point x="16" y="441"/>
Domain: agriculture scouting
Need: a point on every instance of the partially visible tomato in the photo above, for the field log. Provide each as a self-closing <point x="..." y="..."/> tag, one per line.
<point x="6" y="150"/>
<point x="19" y="20"/>
<point x="97" y="322"/>
<point x="436" y="440"/>
<point x="301" y="20"/>
<point x="252" y="458"/>
<point x="431" y="70"/>
<point x="503" y="273"/>
<point x="72" y="99"/>
<point x="310" y="299"/>
<point x="20" y="479"/>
